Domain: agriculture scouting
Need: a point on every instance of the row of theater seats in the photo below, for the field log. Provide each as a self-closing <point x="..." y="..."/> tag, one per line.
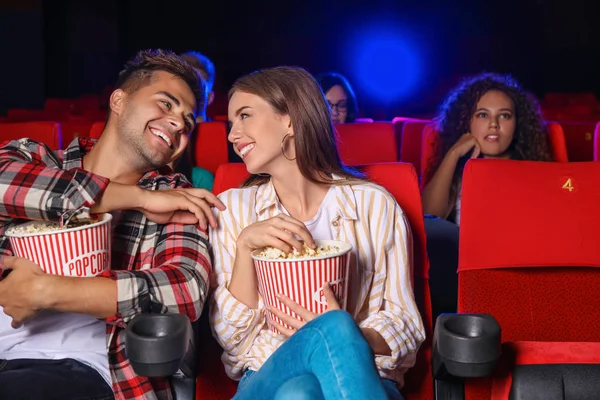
<point x="51" y="133"/>
<point x="406" y="139"/>
<point x="403" y="139"/>
<point x="528" y="258"/>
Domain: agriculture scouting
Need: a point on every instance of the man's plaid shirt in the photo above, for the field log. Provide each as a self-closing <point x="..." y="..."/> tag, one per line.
<point x="157" y="268"/>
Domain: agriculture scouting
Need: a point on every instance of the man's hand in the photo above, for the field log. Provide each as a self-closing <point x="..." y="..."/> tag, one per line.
<point x="183" y="206"/>
<point x="19" y="290"/>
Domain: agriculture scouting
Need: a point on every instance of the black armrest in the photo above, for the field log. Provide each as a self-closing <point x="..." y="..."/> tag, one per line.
<point x="156" y="344"/>
<point x="465" y="345"/>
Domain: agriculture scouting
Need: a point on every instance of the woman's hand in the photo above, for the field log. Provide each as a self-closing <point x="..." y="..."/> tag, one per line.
<point x="466" y="143"/>
<point x="281" y="232"/>
<point x="307" y="316"/>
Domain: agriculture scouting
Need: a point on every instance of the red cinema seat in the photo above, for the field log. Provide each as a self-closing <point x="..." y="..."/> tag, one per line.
<point x="579" y="138"/>
<point x="71" y="130"/>
<point x="229" y="176"/>
<point x="44" y="132"/>
<point x="410" y="149"/>
<point x="557" y="142"/>
<point x="366" y="143"/>
<point x="97" y="129"/>
<point x="211" y="145"/>
<point x="597" y="142"/>
<point x="529" y="259"/>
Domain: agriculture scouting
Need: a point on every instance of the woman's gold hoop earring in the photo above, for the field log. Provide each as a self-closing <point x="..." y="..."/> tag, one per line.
<point x="283" y="150"/>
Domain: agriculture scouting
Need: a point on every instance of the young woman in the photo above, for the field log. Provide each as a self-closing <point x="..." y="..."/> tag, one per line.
<point x="340" y="96"/>
<point x="299" y="192"/>
<point x="487" y="116"/>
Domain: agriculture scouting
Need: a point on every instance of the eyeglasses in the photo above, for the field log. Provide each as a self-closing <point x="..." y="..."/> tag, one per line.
<point x="340" y="107"/>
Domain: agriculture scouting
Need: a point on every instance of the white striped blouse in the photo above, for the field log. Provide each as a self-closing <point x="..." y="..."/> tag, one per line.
<point x="380" y="295"/>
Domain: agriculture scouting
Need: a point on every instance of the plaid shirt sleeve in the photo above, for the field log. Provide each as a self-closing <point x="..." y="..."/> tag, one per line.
<point x="176" y="279"/>
<point x="33" y="186"/>
<point x="176" y="284"/>
<point x="4" y="243"/>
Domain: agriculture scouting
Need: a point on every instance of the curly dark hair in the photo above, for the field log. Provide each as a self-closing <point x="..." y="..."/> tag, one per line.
<point x="530" y="141"/>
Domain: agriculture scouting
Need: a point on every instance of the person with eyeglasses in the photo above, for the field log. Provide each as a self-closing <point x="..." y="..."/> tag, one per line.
<point x="340" y="96"/>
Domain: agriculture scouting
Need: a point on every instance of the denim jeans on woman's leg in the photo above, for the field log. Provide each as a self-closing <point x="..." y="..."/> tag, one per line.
<point x="328" y="358"/>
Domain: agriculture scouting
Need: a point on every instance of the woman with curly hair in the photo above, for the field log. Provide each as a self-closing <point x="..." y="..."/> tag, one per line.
<point x="487" y="116"/>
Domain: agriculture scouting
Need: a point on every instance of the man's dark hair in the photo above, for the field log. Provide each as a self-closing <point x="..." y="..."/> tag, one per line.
<point x="203" y="63"/>
<point x="139" y="70"/>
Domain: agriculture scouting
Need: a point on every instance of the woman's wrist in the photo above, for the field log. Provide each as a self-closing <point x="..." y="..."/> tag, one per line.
<point x="453" y="156"/>
<point x="242" y="249"/>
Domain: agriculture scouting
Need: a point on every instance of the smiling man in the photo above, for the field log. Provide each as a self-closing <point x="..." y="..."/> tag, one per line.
<point x="64" y="334"/>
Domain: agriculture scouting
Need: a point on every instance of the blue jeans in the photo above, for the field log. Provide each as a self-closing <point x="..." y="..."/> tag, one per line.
<point x="67" y="379"/>
<point x="328" y="358"/>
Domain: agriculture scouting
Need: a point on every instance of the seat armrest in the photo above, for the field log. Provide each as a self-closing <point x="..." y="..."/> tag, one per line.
<point x="465" y="345"/>
<point x="156" y="344"/>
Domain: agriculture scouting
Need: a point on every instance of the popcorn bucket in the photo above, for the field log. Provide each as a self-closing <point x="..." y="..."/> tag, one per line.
<point x="302" y="280"/>
<point x="81" y="251"/>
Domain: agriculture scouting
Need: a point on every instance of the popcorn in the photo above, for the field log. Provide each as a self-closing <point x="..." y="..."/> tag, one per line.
<point x="322" y="250"/>
<point x="36" y="227"/>
<point x="44" y="226"/>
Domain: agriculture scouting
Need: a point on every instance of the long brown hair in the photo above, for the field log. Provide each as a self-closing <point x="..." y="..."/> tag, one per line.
<point x="293" y="91"/>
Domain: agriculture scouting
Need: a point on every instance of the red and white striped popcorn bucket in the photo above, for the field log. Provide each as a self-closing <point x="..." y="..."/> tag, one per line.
<point x="82" y="251"/>
<point x="302" y="280"/>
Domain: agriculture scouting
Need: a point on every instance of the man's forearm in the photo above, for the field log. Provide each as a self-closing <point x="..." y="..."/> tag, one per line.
<point x="117" y="197"/>
<point x="93" y="296"/>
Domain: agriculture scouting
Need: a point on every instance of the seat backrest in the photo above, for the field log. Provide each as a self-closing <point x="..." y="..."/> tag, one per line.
<point x="428" y="145"/>
<point x="229" y="176"/>
<point x="579" y="138"/>
<point x="410" y="149"/>
<point x="400" y="179"/>
<point x="529" y="250"/>
<point x="211" y="145"/>
<point x="558" y="145"/>
<point x="71" y="130"/>
<point x="42" y="131"/>
<point x="597" y="142"/>
<point x="366" y="143"/>
<point x="398" y="123"/>
<point x="56" y="104"/>
<point x="221" y="117"/>
<point x="564" y="99"/>
<point x="97" y="129"/>
<point x="25" y="115"/>
<point x="532" y="227"/>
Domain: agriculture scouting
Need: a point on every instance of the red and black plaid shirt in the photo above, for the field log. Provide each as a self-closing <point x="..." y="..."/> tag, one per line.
<point x="157" y="268"/>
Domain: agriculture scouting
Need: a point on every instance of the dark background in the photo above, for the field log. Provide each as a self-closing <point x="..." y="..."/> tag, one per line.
<point x="67" y="48"/>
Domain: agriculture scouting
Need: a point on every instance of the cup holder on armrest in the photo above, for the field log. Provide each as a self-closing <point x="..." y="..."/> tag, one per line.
<point x="465" y="345"/>
<point x="156" y="344"/>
